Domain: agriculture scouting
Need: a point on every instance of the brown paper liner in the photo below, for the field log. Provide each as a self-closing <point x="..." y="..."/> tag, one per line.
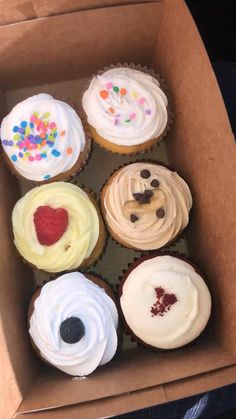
<point x="75" y="169"/>
<point x="114" y="236"/>
<point x="122" y="279"/>
<point x="102" y="283"/>
<point x="148" y="145"/>
<point x="98" y="250"/>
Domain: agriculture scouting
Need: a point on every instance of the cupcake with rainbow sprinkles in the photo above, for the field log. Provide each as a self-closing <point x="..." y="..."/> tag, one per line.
<point x="126" y="109"/>
<point x="44" y="140"/>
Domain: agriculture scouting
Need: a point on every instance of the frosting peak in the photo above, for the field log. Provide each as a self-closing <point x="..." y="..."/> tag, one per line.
<point x="66" y="300"/>
<point x="126" y="106"/>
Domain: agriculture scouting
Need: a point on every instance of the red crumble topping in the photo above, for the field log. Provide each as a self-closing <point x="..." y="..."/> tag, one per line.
<point x="163" y="302"/>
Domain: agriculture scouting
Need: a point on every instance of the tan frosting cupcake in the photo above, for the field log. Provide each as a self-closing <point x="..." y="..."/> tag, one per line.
<point x="57" y="227"/>
<point x="145" y="205"/>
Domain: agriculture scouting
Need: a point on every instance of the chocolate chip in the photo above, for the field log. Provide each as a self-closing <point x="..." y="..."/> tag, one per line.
<point x="160" y="213"/>
<point x="143" y="198"/>
<point x="148" y="193"/>
<point x="137" y="196"/>
<point x="72" y="330"/>
<point x="133" y="218"/>
<point x="154" y="183"/>
<point x="145" y="174"/>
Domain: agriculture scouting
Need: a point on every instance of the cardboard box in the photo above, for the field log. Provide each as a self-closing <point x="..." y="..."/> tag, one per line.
<point x="70" y="46"/>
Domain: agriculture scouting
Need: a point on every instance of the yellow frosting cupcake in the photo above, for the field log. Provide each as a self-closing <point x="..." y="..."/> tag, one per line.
<point x="57" y="227"/>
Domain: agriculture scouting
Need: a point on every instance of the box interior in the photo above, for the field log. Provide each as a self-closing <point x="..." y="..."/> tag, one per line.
<point x="56" y="55"/>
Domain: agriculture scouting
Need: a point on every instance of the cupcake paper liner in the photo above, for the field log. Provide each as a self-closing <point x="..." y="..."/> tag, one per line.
<point x="163" y="87"/>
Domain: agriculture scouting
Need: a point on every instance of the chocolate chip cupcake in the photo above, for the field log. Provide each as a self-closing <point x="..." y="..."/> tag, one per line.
<point x="165" y="302"/>
<point x="73" y="323"/>
<point x="145" y="205"/>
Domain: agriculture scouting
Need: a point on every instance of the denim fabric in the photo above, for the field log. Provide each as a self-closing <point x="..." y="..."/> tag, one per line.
<point x="203" y="406"/>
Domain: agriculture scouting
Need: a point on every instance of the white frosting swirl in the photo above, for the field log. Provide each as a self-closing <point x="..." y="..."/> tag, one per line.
<point x="73" y="295"/>
<point x="183" y="321"/>
<point x="77" y="242"/>
<point x="42" y="137"/>
<point x="148" y="232"/>
<point x="126" y="106"/>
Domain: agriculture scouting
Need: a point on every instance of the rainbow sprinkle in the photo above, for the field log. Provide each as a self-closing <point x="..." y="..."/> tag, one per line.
<point x="112" y="90"/>
<point x="31" y="139"/>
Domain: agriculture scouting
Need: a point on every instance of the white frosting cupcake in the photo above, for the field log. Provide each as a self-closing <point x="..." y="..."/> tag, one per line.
<point x="42" y="137"/>
<point x="165" y="302"/>
<point x="73" y="324"/>
<point x="126" y="107"/>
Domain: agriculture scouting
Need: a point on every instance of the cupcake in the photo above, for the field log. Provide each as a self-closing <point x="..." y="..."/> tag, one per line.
<point x="57" y="227"/>
<point x="165" y="301"/>
<point x="73" y="323"/>
<point x="126" y="110"/>
<point x="44" y="140"/>
<point x="145" y="205"/>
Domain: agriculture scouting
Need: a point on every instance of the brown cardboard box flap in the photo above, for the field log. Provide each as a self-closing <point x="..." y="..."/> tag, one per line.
<point x="55" y="7"/>
<point x="21" y="10"/>
<point x="144" y="399"/>
<point x="16" y="287"/>
<point x="133" y="370"/>
<point x="75" y="31"/>
<point x="16" y="11"/>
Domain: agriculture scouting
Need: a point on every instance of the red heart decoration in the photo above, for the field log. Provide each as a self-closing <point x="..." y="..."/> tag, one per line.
<point x="50" y="224"/>
<point x="163" y="302"/>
